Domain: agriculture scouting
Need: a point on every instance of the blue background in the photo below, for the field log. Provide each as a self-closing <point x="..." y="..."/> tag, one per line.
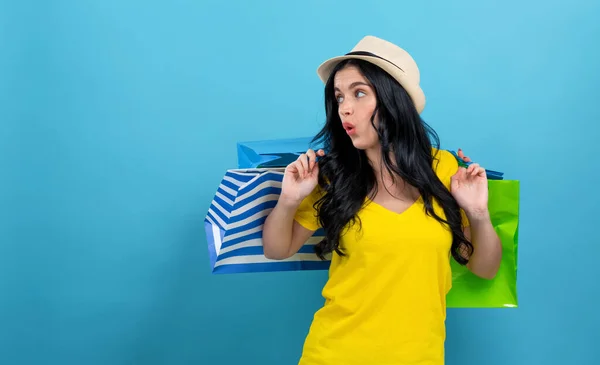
<point x="111" y="152"/>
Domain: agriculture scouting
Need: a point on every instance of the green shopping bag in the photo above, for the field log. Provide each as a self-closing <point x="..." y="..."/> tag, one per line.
<point x="470" y="291"/>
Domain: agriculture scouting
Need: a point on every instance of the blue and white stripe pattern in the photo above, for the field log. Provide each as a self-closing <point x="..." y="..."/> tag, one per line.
<point x="234" y="223"/>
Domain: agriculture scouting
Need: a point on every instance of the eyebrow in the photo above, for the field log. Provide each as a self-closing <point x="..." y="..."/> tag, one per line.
<point x="354" y="84"/>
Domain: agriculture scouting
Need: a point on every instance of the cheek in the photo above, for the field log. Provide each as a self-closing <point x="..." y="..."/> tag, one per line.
<point x="367" y="113"/>
<point x="372" y="132"/>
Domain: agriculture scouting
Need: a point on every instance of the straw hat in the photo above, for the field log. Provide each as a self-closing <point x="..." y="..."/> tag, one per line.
<point x="388" y="56"/>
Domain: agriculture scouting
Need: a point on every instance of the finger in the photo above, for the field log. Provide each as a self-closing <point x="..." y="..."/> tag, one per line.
<point x="461" y="154"/>
<point x="468" y="169"/>
<point x="304" y="162"/>
<point x="300" y="165"/>
<point x="473" y="168"/>
<point x="454" y="182"/>
<point x="311" y="159"/>
<point x="320" y="153"/>
<point x="292" y="169"/>
<point x="458" y="177"/>
<point x="315" y="171"/>
<point x="459" y="174"/>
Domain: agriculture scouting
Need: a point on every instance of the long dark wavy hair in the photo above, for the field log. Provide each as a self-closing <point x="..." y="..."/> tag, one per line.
<point x="347" y="177"/>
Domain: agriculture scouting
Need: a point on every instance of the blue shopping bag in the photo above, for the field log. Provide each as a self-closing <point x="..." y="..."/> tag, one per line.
<point x="271" y="153"/>
<point x="234" y="222"/>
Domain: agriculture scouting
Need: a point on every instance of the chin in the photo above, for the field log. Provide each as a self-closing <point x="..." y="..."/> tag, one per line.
<point x="361" y="144"/>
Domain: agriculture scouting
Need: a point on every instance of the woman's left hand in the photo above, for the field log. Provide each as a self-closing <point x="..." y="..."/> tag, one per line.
<point x="470" y="189"/>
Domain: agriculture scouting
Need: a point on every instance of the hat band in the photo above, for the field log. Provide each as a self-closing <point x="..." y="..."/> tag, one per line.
<point x="365" y="53"/>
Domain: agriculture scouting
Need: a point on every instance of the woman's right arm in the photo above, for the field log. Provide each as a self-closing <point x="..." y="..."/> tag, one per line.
<point x="282" y="235"/>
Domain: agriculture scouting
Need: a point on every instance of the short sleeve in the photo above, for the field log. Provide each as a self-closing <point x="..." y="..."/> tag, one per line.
<point x="306" y="214"/>
<point x="445" y="166"/>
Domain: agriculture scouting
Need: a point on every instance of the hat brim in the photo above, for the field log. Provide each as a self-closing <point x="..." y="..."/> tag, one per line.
<point x="414" y="90"/>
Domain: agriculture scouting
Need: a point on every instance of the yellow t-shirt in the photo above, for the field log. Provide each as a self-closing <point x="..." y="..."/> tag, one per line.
<point x="385" y="302"/>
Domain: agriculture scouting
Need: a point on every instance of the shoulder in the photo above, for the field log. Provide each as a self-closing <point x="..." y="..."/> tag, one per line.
<point x="443" y="160"/>
<point x="445" y="165"/>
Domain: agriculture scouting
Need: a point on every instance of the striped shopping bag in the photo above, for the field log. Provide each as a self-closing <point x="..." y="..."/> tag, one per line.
<point x="234" y="221"/>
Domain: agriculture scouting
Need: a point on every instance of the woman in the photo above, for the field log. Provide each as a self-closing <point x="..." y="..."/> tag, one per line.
<point x="395" y="209"/>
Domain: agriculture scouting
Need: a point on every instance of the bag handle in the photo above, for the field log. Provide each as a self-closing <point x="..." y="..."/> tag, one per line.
<point x="491" y="174"/>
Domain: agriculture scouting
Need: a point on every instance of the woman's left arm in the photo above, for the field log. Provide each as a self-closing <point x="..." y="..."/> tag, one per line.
<point x="469" y="187"/>
<point x="487" y="248"/>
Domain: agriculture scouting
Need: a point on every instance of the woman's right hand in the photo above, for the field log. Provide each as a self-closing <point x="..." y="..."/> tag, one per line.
<point x="301" y="177"/>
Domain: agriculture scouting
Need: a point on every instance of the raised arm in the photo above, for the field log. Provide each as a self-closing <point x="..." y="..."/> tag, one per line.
<point x="282" y="235"/>
<point x="470" y="188"/>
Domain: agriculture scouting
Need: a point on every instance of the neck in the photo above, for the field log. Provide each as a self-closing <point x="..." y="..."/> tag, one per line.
<point x="374" y="157"/>
<point x="384" y="176"/>
<point x="381" y="172"/>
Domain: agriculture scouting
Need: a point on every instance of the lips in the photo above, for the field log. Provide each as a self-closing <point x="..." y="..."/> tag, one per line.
<point x="349" y="127"/>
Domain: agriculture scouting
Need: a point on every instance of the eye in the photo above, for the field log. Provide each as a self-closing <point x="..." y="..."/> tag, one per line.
<point x="360" y="94"/>
<point x="339" y="98"/>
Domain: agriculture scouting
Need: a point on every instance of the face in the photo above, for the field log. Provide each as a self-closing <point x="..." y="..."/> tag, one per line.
<point x="356" y="103"/>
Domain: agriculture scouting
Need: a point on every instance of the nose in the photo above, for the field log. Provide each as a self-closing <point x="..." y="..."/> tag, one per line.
<point x="346" y="108"/>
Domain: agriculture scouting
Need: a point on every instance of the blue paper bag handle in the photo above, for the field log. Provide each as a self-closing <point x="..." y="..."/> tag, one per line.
<point x="491" y="174"/>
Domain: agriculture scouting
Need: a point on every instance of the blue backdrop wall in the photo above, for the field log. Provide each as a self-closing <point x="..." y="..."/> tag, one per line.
<point x="119" y="118"/>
